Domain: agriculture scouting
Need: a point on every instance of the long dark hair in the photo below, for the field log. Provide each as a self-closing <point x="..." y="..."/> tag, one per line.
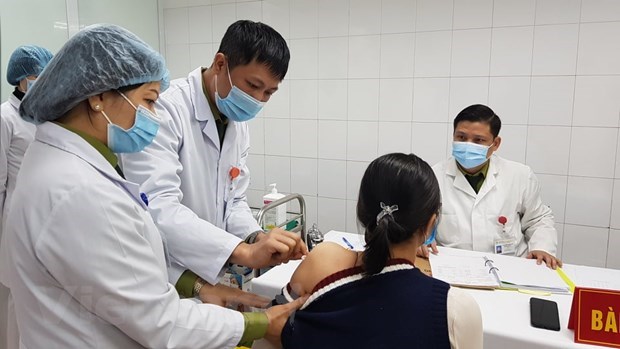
<point x="395" y="179"/>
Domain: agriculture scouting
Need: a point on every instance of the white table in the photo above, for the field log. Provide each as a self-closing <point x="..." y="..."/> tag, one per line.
<point x="505" y="314"/>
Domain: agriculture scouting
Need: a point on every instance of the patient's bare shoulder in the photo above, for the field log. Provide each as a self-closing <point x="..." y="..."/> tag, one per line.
<point x="325" y="259"/>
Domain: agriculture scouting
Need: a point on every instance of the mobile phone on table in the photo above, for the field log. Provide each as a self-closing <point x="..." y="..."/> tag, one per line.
<point x="544" y="314"/>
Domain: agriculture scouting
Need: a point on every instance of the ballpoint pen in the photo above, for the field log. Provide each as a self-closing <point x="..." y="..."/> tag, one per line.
<point x="347" y="242"/>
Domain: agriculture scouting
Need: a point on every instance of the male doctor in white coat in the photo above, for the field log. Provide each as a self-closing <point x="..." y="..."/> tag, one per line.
<point x="491" y="204"/>
<point x="195" y="172"/>
<point x="25" y="65"/>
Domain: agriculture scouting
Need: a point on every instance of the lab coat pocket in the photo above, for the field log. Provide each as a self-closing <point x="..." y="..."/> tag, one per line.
<point x="230" y="194"/>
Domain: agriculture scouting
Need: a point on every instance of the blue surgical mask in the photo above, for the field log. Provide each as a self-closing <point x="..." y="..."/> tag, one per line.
<point x="237" y="106"/>
<point x="431" y="238"/>
<point x="140" y="135"/>
<point x="29" y="84"/>
<point x="470" y="155"/>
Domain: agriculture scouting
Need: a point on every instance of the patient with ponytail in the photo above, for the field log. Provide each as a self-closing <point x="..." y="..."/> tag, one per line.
<point x="377" y="298"/>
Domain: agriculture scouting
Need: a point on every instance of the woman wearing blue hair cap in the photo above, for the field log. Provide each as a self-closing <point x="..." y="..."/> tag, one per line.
<point x="84" y="253"/>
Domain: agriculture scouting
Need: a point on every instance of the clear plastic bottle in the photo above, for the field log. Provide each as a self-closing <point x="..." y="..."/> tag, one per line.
<point x="277" y="215"/>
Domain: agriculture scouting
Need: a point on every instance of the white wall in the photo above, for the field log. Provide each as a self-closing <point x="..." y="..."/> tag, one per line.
<point x="369" y="77"/>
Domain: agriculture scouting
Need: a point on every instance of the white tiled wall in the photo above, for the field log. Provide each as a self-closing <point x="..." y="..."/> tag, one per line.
<point x="369" y="77"/>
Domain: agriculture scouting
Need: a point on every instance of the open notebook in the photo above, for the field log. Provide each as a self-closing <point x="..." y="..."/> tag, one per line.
<point x="497" y="272"/>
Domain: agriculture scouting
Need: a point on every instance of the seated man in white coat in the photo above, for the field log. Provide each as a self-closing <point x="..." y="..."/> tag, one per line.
<point x="195" y="172"/>
<point x="491" y="204"/>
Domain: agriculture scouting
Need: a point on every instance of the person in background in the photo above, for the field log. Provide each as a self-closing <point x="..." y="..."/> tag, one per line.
<point x="491" y="204"/>
<point x="377" y="298"/>
<point x="25" y="65"/>
<point x="195" y="172"/>
<point x="87" y="265"/>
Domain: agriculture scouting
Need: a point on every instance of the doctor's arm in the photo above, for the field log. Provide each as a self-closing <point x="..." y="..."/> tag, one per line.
<point x="538" y="225"/>
<point x="5" y="143"/>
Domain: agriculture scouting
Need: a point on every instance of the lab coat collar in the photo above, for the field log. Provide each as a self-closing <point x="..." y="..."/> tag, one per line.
<point x="63" y="139"/>
<point x="489" y="181"/>
<point x="461" y="183"/>
<point x="202" y="110"/>
<point x="14" y="101"/>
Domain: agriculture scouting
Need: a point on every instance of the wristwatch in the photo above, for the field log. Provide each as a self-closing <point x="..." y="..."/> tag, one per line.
<point x="197" y="286"/>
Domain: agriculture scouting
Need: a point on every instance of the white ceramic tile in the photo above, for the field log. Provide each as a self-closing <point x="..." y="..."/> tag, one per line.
<point x="551" y="100"/>
<point x="429" y="141"/>
<point x="333" y="96"/>
<point x="511" y="51"/>
<point x="333" y="58"/>
<point x="585" y="245"/>
<point x="588" y="201"/>
<point x="256" y="164"/>
<point x="509" y="97"/>
<point x="304" y="176"/>
<point x="548" y="148"/>
<point x="305" y="65"/>
<point x="363" y="99"/>
<point x="355" y="172"/>
<point x="311" y="210"/>
<point x="432" y="54"/>
<point x="431" y="99"/>
<point x="222" y="1"/>
<point x="332" y="139"/>
<point x="176" y="28"/>
<point x="471" y="52"/>
<point x="276" y="14"/>
<point x="192" y="3"/>
<point x="617" y="172"/>
<point x="398" y="16"/>
<point x="223" y="16"/>
<point x="304" y="99"/>
<point x="177" y="60"/>
<point x="278" y="137"/>
<point x="596" y="101"/>
<point x="434" y="15"/>
<point x="394" y="137"/>
<point x="553" y="193"/>
<point x="559" y="227"/>
<point x="257" y="135"/>
<point x="557" y="11"/>
<point x="473" y="14"/>
<point x="467" y="91"/>
<point x="278" y="170"/>
<point x="513" y="142"/>
<point x="397" y="55"/>
<point x="331" y="214"/>
<point x="615" y="206"/>
<point x="364" y="17"/>
<point x="555" y="49"/>
<point x="174" y="3"/>
<point x="591" y="152"/>
<point x="333" y="18"/>
<point x="599" y="49"/>
<point x="364" y="56"/>
<point x="251" y="10"/>
<point x="199" y="23"/>
<point x="255" y="198"/>
<point x="513" y="13"/>
<point x="304" y="140"/>
<point x="613" y="257"/>
<point x="362" y="140"/>
<point x="279" y="103"/>
<point x="200" y="55"/>
<point x="351" y="216"/>
<point x="304" y="19"/>
<point x="332" y="178"/>
<point x="395" y="99"/>
<point x="600" y="10"/>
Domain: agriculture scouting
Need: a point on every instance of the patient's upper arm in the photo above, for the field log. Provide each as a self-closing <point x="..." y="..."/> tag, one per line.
<point x="325" y="259"/>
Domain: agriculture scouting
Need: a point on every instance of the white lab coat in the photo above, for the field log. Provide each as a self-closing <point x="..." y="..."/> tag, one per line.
<point x="201" y="211"/>
<point x="87" y="262"/>
<point x="470" y="221"/>
<point x="15" y="137"/>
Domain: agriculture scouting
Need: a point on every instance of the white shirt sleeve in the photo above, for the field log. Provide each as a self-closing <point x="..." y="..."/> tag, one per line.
<point x="464" y="320"/>
<point x="537" y="221"/>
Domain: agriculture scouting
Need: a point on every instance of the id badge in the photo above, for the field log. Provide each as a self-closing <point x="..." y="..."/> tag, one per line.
<point x="505" y="246"/>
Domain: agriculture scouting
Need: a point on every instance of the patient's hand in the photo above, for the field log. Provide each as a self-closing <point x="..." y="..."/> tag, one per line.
<point x="225" y="295"/>
<point x="423" y="250"/>
<point x="277" y="316"/>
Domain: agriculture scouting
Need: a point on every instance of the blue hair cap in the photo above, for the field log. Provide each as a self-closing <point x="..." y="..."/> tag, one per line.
<point x="99" y="58"/>
<point x="25" y="61"/>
